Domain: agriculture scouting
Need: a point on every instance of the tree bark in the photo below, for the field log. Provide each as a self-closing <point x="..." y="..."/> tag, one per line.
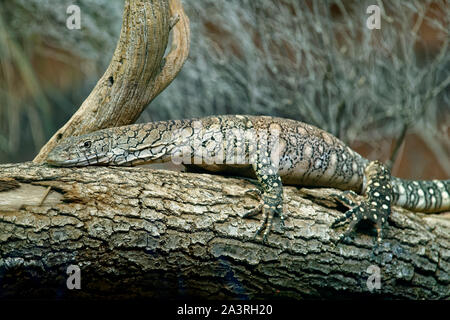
<point x="138" y="232"/>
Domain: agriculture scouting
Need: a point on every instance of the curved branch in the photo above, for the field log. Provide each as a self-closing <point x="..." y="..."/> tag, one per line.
<point x="138" y="71"/>
<point x="180" y="48"/>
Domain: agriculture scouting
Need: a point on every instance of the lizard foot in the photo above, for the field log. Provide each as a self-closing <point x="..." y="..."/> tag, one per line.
<point x="269" y="208"/>
<point x="376" y="207"/>
<point x="366" y="211"/>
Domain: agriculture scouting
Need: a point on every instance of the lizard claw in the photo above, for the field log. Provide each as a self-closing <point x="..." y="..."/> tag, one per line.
<point x="254" y="211"/>
<point x="346" y="198"/>
<point x="252" y="192"/>
<point x="269" y="208"/>
<point x="365" y="211"/>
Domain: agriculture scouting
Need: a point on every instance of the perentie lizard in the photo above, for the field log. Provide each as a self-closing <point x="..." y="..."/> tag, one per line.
<point x="274" y="150"/>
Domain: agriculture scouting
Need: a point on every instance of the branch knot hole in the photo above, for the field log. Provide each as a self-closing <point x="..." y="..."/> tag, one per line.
<point x="173" y="21"/>
<point x="110" y="81"/>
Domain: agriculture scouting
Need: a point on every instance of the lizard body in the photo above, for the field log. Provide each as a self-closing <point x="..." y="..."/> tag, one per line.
<point x="276" y="151"/>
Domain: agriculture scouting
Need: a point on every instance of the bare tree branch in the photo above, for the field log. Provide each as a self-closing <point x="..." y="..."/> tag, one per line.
<point x="138" y="71"/>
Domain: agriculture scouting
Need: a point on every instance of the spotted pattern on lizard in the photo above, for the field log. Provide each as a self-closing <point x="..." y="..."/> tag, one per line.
<point x="276" y="151"/>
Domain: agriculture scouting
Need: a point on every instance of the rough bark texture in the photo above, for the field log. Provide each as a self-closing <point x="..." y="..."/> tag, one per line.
<point x="138" y="71"/>
<point x="137" y="232"/>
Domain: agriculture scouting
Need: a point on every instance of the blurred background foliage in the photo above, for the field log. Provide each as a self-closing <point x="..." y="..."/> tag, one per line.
<point x="314" y="61"/>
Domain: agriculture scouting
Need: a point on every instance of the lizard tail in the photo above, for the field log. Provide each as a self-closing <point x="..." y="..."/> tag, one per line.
<point x="420" y="195"/>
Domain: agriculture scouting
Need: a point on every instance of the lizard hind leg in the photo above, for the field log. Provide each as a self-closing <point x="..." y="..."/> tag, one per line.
<point x="376" y="207"/>
<point x="271" y="206"/>
<point x="271" y="203"/>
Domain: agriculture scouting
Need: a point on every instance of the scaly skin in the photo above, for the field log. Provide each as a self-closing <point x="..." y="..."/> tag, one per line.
<point x="274" y="150"/>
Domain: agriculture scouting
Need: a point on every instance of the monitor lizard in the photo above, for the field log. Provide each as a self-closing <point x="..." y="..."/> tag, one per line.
<point x="273" y="150"/>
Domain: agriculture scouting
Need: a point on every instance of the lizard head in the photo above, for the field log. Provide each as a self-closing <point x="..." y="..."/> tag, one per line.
<point x="87" y="149"/>
<point x="121" y="146"/>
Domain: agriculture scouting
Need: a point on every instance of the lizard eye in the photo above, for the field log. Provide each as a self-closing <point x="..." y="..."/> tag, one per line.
<point x="87" y="144"/>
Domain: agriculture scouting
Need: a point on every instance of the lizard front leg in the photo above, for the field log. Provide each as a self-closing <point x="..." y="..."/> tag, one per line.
<point x="272" y="196"/>
<point x="376" y="206"/>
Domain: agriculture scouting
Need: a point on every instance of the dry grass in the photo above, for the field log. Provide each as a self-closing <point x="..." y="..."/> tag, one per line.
<point x="309" y="60"/>
<point x="318" y="63"/>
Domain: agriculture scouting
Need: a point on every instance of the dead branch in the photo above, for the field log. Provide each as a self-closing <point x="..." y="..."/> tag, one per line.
<point x="138" y="71"/>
